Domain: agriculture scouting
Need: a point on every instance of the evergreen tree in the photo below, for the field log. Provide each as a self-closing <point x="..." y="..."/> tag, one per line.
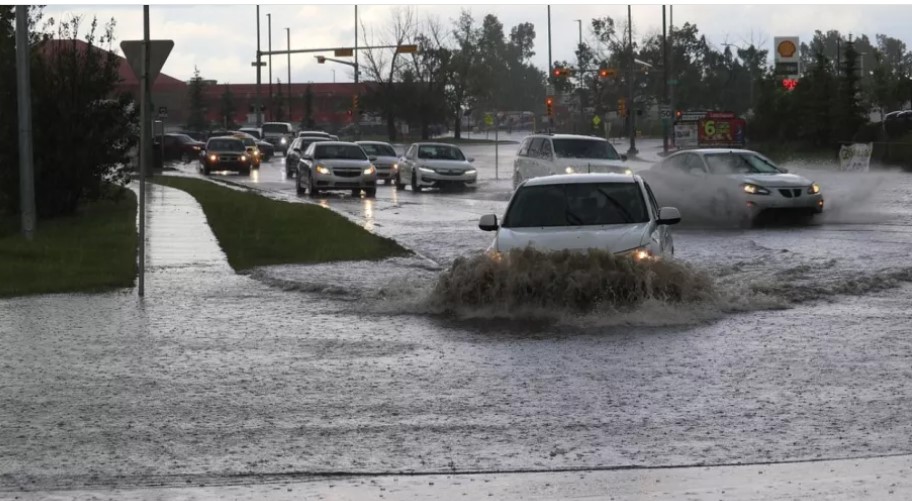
<point x="848" y="113"/>
<point x="196" y="118"/>
<point x="227" y="109"/>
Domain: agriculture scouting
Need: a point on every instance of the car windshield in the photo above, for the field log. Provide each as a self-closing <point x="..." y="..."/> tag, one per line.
<point x="379" y="150"/>
<point x="225" y="145"/>
<point x="275" y="128"/>
<point x="253" y="132"/>
<point x="307" y="141"/>
<point x="340" y="151"/>
<point x="585" y="148"/>
<point x="577" y="204"/>
<point x="740" y="163"/>
<point x="183" y="138"/>
<point x="440" y="152"/>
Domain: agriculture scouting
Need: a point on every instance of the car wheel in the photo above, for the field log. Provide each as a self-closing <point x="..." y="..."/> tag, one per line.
<point x="415" y="186"/>
<point x="206" y="170"/>
<point x="387" y="181"/>
<point x="298" y="188"/>
<point x="356" y="193"/>
<point x="312" y="187"/>
<point x="244" y="172"/>
<point x="399" y="185"/>
<point x="370" y="192"/>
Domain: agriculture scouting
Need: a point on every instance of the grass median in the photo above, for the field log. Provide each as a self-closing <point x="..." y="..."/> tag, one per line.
<point x="91" y="251"/>
<point x="257" y="231"/>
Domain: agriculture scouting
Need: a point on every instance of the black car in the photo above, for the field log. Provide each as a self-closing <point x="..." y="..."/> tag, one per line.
<point x="225" y="153"/>
<point x="177" y="147"/>
<point x="298" y="146"/>
<point x="266" y="148"/>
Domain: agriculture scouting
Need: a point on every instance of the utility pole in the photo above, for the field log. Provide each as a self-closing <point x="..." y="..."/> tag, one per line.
<point x="288" y="46"/>
<point x="24" y="91"/>
<point x="631" y="76"/>
<point x="269" y="63"/>
<point x="665" y="121"/>
<point x="145" y="145"/>
<point x="357" y="119"/>
<point x="259" y="55"/>
<point x="550" y="74"/>
<point x="671" y="86"/>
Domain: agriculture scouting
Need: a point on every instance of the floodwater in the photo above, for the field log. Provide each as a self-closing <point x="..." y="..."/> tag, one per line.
<point x="801" y="351"/>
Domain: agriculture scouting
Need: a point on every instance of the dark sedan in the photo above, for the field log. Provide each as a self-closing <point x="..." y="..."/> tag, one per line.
<point x="178" y="147"/>
<point x="225" y="153"/>
<point x="297" y="148"/>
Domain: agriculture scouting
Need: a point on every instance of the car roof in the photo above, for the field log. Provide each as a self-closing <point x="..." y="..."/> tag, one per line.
<point x="229" y="138"/>
<point x="704" y="151"/>
<point x="566" y="136"/>
<point x="372" y="142"/>
<point x="430" y="143"/>
<point x="338" y="143"/>
<point x="582" y="179"/>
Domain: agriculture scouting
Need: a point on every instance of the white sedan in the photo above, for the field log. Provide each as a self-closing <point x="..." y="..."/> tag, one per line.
<point x="612" y="212"/>
<point x="435" y="165"/>
<point x="732" y="184"/>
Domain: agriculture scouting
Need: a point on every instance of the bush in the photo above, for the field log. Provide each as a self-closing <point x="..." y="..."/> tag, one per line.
<point x="81" y="132"/>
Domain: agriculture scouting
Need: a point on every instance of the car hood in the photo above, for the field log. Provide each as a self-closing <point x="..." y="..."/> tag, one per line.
<point x="361" y="164"/>
<point x="445" y="164"/>
<point x="386" y="161"/>
<point x="773" y="180"/>
<point x="592" y="165"/>
<point x="612" y="238"/>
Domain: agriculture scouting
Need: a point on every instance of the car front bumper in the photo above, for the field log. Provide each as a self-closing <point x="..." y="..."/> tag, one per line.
<point x="439" y="179"/>
<point x="336" y="182"/>
<point x="385" y="172"/>
<point x="798" y="200"/>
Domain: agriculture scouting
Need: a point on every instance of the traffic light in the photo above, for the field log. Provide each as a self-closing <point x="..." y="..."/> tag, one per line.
<point x="622" y="107"/>
<point x="607" y="72"/>
<point x="355" y="104"/>
<point x="561" y="72"/>
<point x="549" y="104"/>
<point x="678" y="114"/>
<point x="789" y="84"/>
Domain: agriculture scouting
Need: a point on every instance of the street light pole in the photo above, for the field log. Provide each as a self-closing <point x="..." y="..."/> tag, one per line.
<point x="288" y="45"/>
<point x="26" y="172"/>
<point x="269" y="63"/>
<point x="631" y="106"/>
<point x="665" y="121"/>
<point x="259" y="55"/>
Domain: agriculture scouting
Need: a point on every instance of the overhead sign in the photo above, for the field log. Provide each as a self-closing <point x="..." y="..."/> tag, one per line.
<point x="158" y="54"/>
<point x="786" y="56"/>
<point x="344" y="52"/>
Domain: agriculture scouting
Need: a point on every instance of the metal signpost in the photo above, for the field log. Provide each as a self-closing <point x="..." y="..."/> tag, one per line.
<point x="146" y="58"/>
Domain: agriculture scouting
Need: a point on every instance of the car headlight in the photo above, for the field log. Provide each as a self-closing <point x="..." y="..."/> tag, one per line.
<point x="471" y="172"/>
<point x="243" y="158"/>
<point x="196" y="148"/>
<point x="639" y="253"/>
<point x="628" y="172"/>
<point x="256" y="153"/>
<point x="370" y="170"/>
<point x="322" y="169"/>
<point x="213" y="158"/>
<point x="569" y="170"/>
<point x="283" y="140"/>
<point x="814" y="189"/>
<point x="395" y="167"/>
<point x="426" y="170"/>
<point x="753" y="189"/>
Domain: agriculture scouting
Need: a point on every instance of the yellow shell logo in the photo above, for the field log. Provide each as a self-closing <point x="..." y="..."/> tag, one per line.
<point x="786" y="48"/>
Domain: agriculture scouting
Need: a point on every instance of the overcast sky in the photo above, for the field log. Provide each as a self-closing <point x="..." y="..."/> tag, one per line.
<point x="221" y="39"/>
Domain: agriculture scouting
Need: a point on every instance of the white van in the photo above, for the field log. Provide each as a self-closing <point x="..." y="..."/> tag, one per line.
<point x="550" y="154"/>
<point x="278" y="134"/>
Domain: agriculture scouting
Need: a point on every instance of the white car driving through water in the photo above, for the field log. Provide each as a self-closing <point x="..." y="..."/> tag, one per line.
<point x="435" y="165"/>
<point x="733" y="184"/>
<point x="550" y="154"/>
<point x="612" y="212"/>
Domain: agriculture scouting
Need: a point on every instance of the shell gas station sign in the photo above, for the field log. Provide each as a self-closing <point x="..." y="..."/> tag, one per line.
<point x="786" y="56"/>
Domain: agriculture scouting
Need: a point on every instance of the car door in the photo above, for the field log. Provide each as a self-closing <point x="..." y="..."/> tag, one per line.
<point x="408" y="163"/>
<point x="546" y="163"/>
<point x="533" y="167"/>
<point x="305" y="161"/>
<point x="519" y="164"/>
<point x="293" y="155"/>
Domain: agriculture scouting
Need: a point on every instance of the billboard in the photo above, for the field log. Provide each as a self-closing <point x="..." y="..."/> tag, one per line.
<point x="786" y="56"/>
<point x="720" y="129"/>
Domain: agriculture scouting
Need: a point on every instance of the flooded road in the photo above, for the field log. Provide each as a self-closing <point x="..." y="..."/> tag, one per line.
<point x="803" y="353"/>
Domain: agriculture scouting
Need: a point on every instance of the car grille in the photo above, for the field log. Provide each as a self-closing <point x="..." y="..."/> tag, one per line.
<point x="450" y="172"/>
<point x="347" y="172"/>
<point x="228" y="158"/>
<point x="791" y="192"/>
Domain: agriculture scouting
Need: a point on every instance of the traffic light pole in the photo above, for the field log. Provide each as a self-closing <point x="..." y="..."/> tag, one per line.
<point x="631" y="106"/>
<point x="259" y="65"/>
<point x="665" y="121"/>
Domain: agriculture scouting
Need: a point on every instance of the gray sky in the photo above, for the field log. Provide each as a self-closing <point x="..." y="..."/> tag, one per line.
<point x="221" y="39"/>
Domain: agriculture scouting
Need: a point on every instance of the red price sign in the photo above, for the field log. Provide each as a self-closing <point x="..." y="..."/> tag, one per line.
<point x="720" y="131"/>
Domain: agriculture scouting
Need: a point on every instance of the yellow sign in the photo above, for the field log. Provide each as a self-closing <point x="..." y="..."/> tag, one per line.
<point x="344" y="52"/>
<point x="596" y="120"/>
<point x="489" y="120"/>
<point x="407" y="49"/>
<point x="786" y="49"/>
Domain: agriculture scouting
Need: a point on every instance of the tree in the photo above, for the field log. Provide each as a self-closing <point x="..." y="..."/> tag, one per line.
<point x="278" y="103"/>
<point x="426" y="78"/>
<point x="462" y="69"/>
<point x="227" y="109"/>
<point x="849" y="113"/>
<point x="308" y="121"/>
<point x="382" y="68"/>
<point x="196" y="118"/>
<point x="75" y="108"/>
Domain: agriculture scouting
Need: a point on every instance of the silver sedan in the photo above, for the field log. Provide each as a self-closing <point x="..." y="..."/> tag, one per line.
<point x="336" y="165"/>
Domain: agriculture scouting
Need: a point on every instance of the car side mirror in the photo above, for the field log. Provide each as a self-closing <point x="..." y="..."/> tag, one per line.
<point x="623" y="157"/>
<point x="784" y="170"/>
<point x="372" y="158"/>
<point x="471" y="159"/>
<point x="488" y="222"/>
<point x="669" y="215"/>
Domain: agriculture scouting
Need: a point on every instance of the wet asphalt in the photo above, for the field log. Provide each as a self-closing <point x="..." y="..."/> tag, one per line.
<point x="217" y="378"/>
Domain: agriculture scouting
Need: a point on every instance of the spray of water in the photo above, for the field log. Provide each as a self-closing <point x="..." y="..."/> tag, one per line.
<point x="529" y="280"/>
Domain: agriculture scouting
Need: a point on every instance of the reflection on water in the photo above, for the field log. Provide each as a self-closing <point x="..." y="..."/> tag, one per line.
<point x="368" y="214"/>
<point x="324" y="203"/>
<point x="255" y="175"/>
<point x="395" y="195"/>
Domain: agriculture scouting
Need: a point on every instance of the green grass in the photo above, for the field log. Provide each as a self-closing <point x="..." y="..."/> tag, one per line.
<point x="92" y="251"/>
<point x="256" y="231"/>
